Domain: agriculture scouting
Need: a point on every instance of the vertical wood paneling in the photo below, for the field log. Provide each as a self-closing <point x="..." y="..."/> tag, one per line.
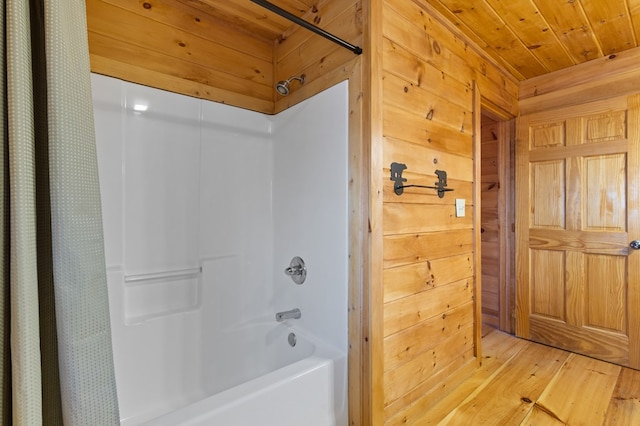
<point x="490" y="223"/>
<point x="508" y="309"/>
<point x="477" y="221"/>
<point x="374" y="321"/>
<point x="359" y="379"/>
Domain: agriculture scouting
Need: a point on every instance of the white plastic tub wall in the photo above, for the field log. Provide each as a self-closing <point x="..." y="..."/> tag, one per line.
<point x="204" y="205"/>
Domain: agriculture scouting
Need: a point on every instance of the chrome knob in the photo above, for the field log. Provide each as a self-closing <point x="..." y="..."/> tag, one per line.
<point x="635" y="244"/>
<point x="296" y="270"/>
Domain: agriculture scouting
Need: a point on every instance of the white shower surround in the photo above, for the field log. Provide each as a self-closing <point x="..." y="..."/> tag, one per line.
<point x="225" y="197"/>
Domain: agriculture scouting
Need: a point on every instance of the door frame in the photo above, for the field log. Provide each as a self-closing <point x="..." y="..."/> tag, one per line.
<point x="506" y="211"/>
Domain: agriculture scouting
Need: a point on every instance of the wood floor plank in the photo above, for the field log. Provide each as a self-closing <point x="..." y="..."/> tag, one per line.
<point x="510" y="394"/>
<point x="525" y="383"/>
<point x="580" y="392"/>
<point x="538" y="417"/>
<point x="624" y="408"/>
<point x="498" y="348"/>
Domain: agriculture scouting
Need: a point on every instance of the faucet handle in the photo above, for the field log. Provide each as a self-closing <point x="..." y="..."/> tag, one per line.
<point x="297" y="270"/>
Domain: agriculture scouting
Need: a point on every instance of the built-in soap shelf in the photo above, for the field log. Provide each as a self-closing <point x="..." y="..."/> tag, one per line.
<point x="155" y="276"/>
<point x="157" y="294"/>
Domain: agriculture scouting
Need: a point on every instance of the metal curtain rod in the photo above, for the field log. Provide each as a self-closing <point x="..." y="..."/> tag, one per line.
<point x="275" y="9"/>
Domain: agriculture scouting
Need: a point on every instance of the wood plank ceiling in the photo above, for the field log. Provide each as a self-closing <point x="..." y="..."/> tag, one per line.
<point x="534" y="37"/>
<point x="528" y="37"/>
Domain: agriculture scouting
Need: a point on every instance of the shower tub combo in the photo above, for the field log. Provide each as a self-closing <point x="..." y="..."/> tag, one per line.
<point x="204" y="208"/>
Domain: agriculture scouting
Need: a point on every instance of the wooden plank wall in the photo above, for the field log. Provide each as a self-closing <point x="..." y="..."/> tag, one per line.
<point x="604" y="78"/>
<point x="428" y="73"/>
<point x="490" y="223"/>
<point x="172" y="46"/>
<point x="175" y="46"/>
<point x="300" y="51"/>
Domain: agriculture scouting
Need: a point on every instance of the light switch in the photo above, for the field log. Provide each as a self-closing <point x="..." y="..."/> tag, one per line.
<point x="459" y="207"/>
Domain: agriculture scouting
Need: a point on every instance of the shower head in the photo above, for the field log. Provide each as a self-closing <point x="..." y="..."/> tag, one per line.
<point x="282" y="87"/>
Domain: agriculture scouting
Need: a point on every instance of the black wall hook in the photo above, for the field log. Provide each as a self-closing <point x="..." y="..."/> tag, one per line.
<point x="398" y="187"/>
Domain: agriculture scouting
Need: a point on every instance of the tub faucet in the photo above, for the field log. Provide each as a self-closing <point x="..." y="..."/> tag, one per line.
<point x="285" y="315"/>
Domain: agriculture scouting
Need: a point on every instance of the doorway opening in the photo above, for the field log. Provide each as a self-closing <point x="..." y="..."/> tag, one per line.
<point x="498" y="220"/>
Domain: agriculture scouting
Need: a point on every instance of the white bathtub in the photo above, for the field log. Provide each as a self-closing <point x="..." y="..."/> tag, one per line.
<point x="246" y="352"/>
<point x="266" y="382"/>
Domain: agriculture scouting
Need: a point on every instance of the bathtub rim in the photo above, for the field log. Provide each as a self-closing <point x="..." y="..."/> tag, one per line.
<point x="201" y="409"/>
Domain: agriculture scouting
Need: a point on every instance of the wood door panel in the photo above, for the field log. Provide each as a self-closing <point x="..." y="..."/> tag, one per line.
<point x="595" y="343"/>
<point x="605" y="127"/>
<point x="577" y="197"/>
<point x="547" y="283"/>
<point x="605" y="193"/>
<point x="548" y="189"/>
<point x="548" y="135"/>
<point x="605" y="288"/>
<point x="587" y="242"/>
<point x="600" y="148"/>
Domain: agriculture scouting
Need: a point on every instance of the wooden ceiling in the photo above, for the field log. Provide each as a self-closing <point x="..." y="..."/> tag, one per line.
<point x="528" y="37"/>
<point x="534" y="37"/>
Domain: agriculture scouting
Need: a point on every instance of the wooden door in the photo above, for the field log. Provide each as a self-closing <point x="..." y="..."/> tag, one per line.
<point x="577" y="194"/>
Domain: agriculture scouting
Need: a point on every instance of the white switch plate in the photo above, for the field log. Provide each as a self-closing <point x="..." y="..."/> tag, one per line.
<point x="460" y="207"/>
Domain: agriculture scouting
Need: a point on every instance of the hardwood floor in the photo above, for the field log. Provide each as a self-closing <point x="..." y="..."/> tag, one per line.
<point x="525" y="383"/>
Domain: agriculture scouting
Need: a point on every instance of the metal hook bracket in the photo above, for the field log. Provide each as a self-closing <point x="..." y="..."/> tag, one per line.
<point x="398" y="187"/>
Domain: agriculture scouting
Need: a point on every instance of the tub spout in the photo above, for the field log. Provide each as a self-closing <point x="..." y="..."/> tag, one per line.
<point x="285" y="315"/>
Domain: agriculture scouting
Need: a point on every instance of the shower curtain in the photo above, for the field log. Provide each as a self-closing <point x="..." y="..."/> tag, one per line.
<point x="55" y="340"/>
